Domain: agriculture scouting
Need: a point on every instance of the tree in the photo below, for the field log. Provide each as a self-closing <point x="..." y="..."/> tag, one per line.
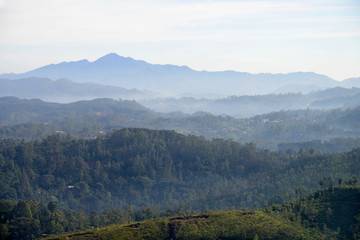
<point x="300" y="192"/>
<point x="355" y="180"/>
<point x="94" y="219"/>
<point x="22" y="209"/>
<point x="52" y="207"/>
<point x="331" y="181"/>
<point x="341" y="181"/>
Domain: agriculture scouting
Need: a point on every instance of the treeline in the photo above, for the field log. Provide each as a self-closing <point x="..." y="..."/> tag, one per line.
<point x="331" y="146"/>
<point x="142" y="167"/>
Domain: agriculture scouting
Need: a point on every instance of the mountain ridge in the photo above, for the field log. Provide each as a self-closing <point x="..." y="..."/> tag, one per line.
<point x="25" y="119"/>
<point x="171" y="80"/>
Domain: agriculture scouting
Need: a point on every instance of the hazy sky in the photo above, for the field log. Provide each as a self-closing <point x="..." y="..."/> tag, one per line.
<point x="249" y="36"/>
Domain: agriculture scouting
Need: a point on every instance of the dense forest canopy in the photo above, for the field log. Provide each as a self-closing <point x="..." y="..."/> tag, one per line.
<point x="160" y="168"/>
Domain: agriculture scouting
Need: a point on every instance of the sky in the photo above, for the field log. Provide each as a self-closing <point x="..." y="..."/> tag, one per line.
<point x="272" y="36"/>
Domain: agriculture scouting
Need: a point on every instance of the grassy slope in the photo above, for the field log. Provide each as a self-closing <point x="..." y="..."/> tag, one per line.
<point x="217" y="225"/>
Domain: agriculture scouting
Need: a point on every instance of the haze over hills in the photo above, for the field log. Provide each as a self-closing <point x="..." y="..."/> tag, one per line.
<point x="352" y="82"/>
<point x="246" y="106"/>
<point x="35" y="119"/>
<point x="64" y="90"/>
<point x="172" y="80"/>
<point x="17" y="111"/>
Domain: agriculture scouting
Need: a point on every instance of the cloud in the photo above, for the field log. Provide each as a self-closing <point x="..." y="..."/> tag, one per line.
<point x="39" y="22"/>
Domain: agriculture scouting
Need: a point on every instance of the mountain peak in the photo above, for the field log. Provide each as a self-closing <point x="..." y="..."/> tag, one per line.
<point x="112" y="57"/>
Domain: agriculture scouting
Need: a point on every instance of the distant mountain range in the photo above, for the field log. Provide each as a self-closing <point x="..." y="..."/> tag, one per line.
<point x="63" y="90"/>
<point x="171" y="80"/>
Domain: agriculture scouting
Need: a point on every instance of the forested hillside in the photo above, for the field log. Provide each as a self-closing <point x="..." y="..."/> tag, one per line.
<point x="161" y="168"/>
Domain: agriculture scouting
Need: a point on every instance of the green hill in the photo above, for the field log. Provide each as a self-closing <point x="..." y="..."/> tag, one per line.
<point x="217" y="225"/>
<point x="333" y="213"/>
